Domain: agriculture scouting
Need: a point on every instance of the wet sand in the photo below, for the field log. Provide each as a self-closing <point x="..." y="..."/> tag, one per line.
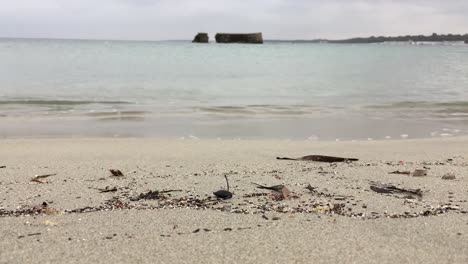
<point x="341" y="221"/>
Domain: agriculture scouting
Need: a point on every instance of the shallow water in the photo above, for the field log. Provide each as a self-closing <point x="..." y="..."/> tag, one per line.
<point x="276" y="90"/>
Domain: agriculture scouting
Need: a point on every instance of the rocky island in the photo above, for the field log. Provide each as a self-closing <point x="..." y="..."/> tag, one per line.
<point x="249" y="38"/>
<point x="201" y="38"/>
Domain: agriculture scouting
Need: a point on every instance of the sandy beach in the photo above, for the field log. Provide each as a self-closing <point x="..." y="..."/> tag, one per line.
<point x="330" y="214"/>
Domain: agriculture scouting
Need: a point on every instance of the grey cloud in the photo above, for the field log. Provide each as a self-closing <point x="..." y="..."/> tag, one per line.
<point x="181" y="19"/>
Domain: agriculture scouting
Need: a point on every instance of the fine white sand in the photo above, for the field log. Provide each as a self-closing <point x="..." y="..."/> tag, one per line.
<point x="344" y="221"/>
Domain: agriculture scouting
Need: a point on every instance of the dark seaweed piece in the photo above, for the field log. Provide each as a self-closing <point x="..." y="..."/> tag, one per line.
<point x="400" y="172"/>
<point x="320" y="158"/>
<point x="108" y="189"/>
<point x="116" y="173"/>
<point x="388" y="188"/>
<point x="277" y="188"/>
<point x="224" y="194"/>
<point x="310" y="188"/>
<point x="2" y="167"/>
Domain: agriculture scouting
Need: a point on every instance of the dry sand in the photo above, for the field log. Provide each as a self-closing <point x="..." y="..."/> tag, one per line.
<point x="343" y="221"/>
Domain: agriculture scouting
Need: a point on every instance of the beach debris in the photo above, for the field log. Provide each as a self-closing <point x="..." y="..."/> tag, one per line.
<point x="329" y="208"/>
<point x="449" y="176"/>
<point x="340" y="197"/>
<point x="44" y="208"/>
<point x="388" y="188"/>
<point x="107" y="189"/>
<point x="2" y="167"/>
<point x="42" y="178"/>
<point x="224" y="194"/>
<point x="35" y="210"/>
<point x="152" y="195"/>
<point x="282" y="191"/>
<point x="49" y="223"/>
<point x="320" y="158"/>
<point x="116" y="173"/>
<point x="277" y="188"/>
<point x="400" y="172"/>
<point x="282" y="195"/>
<point x="419" y="173"/>
<point x="314" y="191"/>
<point x="311" y="189"/>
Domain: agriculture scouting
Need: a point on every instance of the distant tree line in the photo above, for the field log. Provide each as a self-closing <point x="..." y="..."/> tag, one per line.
<point x="417" y="38"/>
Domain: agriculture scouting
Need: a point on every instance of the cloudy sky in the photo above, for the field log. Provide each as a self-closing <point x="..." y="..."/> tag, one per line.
<point x="181" y="19"/>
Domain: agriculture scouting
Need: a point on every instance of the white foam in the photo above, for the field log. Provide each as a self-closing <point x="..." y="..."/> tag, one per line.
<point x="193" y="137"/>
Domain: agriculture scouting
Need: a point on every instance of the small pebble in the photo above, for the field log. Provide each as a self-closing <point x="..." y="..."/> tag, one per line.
<point x="449" y="176"/>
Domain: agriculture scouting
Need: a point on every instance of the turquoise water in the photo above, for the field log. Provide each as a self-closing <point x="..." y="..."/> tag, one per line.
<point x="275" y="90"/>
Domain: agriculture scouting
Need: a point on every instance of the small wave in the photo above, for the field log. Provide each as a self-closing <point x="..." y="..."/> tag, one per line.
<point x="422" y="105"/>
<point x="122" y="118"/>
<point x="226" y="110"/>
<point x="260" y="110"/>
<point x="105" y="114"/>
<point x="46" y="102"/>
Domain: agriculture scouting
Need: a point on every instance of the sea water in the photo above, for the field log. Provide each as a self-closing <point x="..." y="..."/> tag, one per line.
<point x="276" y="90"/>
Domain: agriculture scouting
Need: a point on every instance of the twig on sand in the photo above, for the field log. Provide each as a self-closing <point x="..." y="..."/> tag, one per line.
<point x="277" y="188"/>
<point x="42" y="178"/>
<point x="320" y="158"/>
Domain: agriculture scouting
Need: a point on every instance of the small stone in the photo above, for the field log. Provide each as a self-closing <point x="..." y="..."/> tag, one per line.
<point x="449" y="176"/>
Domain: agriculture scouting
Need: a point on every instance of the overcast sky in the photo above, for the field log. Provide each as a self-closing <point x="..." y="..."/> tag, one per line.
<point x="181" y="19"/>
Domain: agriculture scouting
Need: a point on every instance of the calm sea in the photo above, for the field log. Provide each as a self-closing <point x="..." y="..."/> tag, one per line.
<point x="276" y="90"/>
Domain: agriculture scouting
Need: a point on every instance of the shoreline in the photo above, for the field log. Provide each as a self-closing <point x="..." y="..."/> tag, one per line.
<point x="343" y="220"/>
<point x="216" y="127"/>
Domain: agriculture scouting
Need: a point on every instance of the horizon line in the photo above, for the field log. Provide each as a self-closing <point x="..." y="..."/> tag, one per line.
<point x="168" y="40"/>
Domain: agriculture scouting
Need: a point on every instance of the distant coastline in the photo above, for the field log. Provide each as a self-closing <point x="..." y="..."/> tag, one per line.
<point x="381" y="39"/>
